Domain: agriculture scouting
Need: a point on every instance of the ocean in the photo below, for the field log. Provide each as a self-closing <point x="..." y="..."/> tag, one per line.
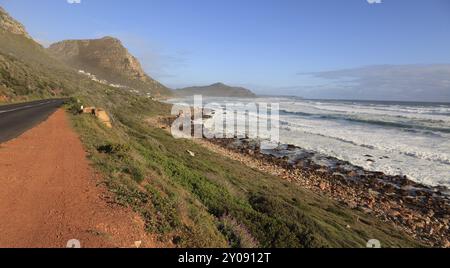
<point x="396" y="138"/>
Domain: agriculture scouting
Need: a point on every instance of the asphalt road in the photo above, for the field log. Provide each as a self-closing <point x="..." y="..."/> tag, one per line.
<point x="15" y="119"/>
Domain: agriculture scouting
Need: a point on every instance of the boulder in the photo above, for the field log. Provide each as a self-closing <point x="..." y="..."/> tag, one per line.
<point x="103" y="117"/>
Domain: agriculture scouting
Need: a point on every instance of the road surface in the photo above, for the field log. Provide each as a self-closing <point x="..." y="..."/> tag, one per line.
<point x="15" y="119"/>
<point x="50" y="194"/>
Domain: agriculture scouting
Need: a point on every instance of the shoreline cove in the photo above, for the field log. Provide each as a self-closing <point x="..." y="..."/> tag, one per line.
<point x="395" y="138"/>
<point x="420" y="211"/>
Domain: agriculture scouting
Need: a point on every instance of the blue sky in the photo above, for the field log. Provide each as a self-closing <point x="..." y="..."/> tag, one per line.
<point x="263" y="44"/>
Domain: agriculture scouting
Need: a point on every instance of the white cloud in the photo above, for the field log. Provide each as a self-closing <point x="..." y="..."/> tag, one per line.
<point x="414" y="82"/>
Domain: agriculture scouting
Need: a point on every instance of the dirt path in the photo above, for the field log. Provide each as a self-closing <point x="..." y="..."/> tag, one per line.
<point x="49" y="194"/>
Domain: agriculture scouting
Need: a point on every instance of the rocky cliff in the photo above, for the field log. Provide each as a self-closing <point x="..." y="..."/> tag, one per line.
<point x="109" y="60"/>
<point x="9" y="24"/>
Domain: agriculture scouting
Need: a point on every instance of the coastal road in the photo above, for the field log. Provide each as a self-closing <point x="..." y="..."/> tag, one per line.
<point x="15" y="119"/>
<point x="50" y="194"/>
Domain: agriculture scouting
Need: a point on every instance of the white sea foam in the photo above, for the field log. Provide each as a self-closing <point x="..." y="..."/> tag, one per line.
<point x="409" y="139"/>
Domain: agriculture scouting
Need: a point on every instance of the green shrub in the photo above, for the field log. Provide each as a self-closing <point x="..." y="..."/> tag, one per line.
<point x="118" y="150"/>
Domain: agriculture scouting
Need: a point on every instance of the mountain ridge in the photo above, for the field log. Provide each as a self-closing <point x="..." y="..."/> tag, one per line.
<point x="215" y="90"/>
<point x="108" y="59"/>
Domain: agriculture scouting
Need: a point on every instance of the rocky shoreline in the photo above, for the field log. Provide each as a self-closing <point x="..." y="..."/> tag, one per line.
<point x="421" y="211"/>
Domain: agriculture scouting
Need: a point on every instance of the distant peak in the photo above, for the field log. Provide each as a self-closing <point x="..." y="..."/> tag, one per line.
<point x="218" y="84"/>
<point x="216" y="90"/>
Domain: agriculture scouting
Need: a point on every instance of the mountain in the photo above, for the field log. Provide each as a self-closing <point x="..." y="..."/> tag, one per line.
<point x="9" y="24"/>
<point x="215" y="90"/>
<point x="109" y="60"/>
<point x="27" y="71"/>
<point x="16" y="42"/>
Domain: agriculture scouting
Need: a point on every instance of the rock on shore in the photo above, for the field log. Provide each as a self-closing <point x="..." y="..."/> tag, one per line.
<point x="421" y="211"/>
